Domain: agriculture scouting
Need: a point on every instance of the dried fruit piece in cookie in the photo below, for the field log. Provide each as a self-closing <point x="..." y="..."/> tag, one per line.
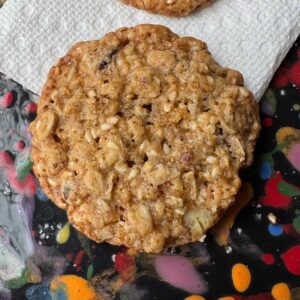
<point x="140" y="137"/>
<point x="168" y="7"/>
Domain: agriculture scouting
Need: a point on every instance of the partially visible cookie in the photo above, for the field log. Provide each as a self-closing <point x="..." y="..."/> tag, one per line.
<point x="168" y="7"/>
<point x="140" y="137"/>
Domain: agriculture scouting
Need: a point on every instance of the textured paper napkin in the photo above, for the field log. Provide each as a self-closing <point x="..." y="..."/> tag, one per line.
<point x="250" y="36"/>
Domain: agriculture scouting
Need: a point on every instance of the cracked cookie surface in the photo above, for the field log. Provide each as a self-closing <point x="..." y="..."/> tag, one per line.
<point x="168" y="7"/>
<point x="140" y="137"/>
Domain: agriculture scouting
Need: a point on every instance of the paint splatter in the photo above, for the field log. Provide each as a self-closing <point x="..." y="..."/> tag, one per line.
<point x="275" y="229"/>
<point x="241" y="277"/>
<point x="268" y="103"/>
<point x="27" y="186"/>
<point x="179" y="272"/>
<point x="7" y="99"/>
<point x="288" y="74"/>
<point x="194" y="297"/>
<point x="276" y="190"/>
<point x="266" y="170"/>
<point x="267" y="122"/>
<point x="291" y="259"/>
<point x="281" y="291"/>
<point x="268" y="258"/>
<point x="296" y="223"/>
<point x="294" y="156"/>
<point x="63" y="234"/>
<point x="38" y="292"/>
<point x="71" y="287"/>
<point x="125" y="265"/>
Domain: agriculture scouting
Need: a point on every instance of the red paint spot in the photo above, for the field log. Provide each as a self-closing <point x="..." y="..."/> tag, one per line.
<point x="272" y="196"/>
<point x="78" y="258"/>
<point x="7" y="99"/>
<point x="125" y="265"/>
<point x="291" y="259"/>
<point x="28" y="186"/>
<point x="288" y="73"/>
<point x="268" y="259"/>
<point x="19" y="145"/>
<point x="31" y="107"/>
<point x="267" y="122"/>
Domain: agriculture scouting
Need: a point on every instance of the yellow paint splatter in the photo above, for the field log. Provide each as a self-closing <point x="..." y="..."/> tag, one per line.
<point x="221" y="230"/>
<point x="74" y="287"/>
<point x="63" y="234"/>
<point x="281" y="291"/>
<point x="194" y="297"/>
<point x="287" y="137"/>
<point x="226" y="298"/>
<point x="241" y="277"/>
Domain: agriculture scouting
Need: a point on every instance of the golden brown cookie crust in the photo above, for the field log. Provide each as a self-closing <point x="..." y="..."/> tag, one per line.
<point x="140" y="137"/>
<point x="175" y="8"/>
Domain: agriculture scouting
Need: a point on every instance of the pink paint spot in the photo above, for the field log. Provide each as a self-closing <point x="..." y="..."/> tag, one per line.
<point x="291" y="259"/>
<point x="180" y="272"/>
<point x="268" y="259"/>
<point x="19" y="145"/>
<point x="294" y="156"/>
<point x="28" y="186"/>
<point x="5" y="160"/>
<point x="267" y="122"/>
<point x="31" y="107"/>
<point x="273" y="197"/>
<point x="7" y="99"/>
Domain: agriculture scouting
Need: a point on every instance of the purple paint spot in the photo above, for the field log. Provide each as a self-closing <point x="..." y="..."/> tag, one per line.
<point x="294" y="156"/>
<point x="180" y="272"/>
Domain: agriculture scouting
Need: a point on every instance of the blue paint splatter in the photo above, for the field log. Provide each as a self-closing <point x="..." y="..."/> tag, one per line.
<point x="59" y="295"/>
<point x="41" y="195"/>
<point x="275" y="229"/>
<point x="265" y="171"/>
<point x="38" y="292"/>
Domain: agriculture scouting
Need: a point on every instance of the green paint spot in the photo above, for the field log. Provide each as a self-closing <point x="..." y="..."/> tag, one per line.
<point x="23" y="164"/>
<point x="296" y="223"/>
<point x="85" y="244"/>
<point x="90" y="272"/>
<point x="288" y="189"/>
<point x="16" y="283"/>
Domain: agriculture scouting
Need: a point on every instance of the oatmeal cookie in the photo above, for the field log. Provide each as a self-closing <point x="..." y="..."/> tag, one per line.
<point x="140" y="136"/>
<point x="168" y="7"/>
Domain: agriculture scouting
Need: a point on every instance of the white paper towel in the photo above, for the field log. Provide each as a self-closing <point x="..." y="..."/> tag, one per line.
<point x="250" y="36"/>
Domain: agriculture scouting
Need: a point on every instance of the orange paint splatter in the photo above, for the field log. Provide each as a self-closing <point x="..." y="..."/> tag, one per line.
<point x="194" y="297"/>
<point x="74" y="287"/>
<point x="221" y="230"/>
<point x="241" y="277"/>
<point x="281" y="291"/>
